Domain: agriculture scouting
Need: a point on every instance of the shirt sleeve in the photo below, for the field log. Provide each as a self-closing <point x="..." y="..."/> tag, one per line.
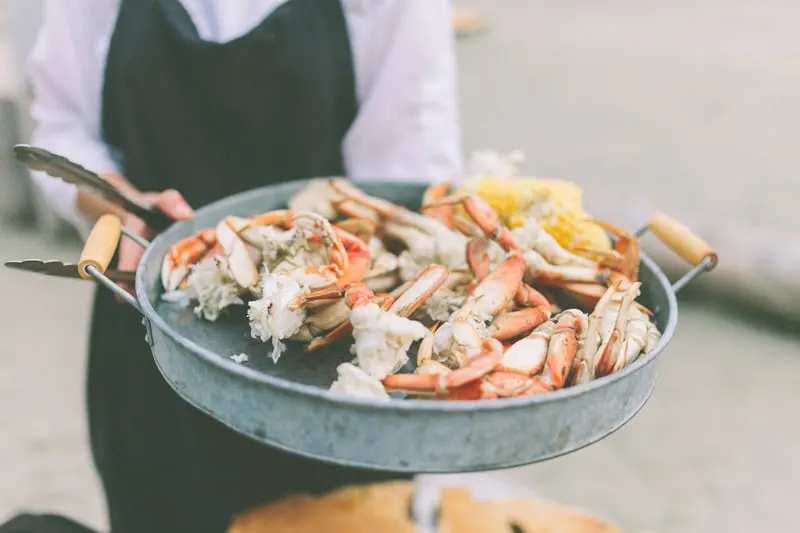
<point x="408" y="124"/>
<point x="65" y="74"/>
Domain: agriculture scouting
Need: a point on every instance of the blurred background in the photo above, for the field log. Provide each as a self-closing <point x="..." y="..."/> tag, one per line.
<point x="686" y="107"/>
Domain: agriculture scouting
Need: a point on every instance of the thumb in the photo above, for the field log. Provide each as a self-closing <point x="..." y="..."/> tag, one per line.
<point x="173" y="205"/>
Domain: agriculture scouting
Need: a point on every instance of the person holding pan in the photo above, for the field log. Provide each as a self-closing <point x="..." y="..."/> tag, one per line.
<point x="184" y="102"/>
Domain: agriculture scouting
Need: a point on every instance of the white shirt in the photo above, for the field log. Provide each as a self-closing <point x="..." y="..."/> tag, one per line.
<point x="407" y="125"/>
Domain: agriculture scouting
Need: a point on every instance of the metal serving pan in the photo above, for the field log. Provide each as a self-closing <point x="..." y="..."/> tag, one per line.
<point x="287" y="405"/>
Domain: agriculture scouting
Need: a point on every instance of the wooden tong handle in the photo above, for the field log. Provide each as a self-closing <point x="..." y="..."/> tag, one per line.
<point x="681" y="240"/>
<point x="101" y="245"/>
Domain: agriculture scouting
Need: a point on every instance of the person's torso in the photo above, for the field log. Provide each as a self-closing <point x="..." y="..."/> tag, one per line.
<point x="215" y="118"/>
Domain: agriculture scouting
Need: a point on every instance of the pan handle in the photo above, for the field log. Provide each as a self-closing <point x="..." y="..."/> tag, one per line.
<point x="685" y="243"/>
<point x="97" y="253"/>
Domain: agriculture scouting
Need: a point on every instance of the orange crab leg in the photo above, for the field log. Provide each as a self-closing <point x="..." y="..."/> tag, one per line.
<point x="353" y="209"/>
<point x="605" y="360"/>
<point x="383" y="207"/>
<point x="478" y="261"/>
<point x="562" y="349"/>
<point x="444" y="213"/>
<point x="587" y="295"/>
<point x="483" y="215"/>
<point x="363" y="228"/>
<point x="527" y="296"/>
<point x="185" y="253"/>
<point x="280" y="217"/>
<point x="515" y="323"/>
<point x="478" y="257"/>
<point x="424" y="284"/>
<point x="539" y="386"/>
<point x="477" y="368"/>
<point x="509" y="384"/>
<point x="625" y="256"/>
<point x="481" y="389"/>
<point x="358" y="257"/>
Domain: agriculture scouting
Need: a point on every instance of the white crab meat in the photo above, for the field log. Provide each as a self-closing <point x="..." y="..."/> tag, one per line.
<point x="211" y="284"/>
<point x="353" y="381"/>
<point x="450" y="297"/>
<point x="382" y="339"/>
<point x="240" y="358"/>
<point x="450" y="252"/>
<point x="442" y="303"/>
<point x="270" y="317"/>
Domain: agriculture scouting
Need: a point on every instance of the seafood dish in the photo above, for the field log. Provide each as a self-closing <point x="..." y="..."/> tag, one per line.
<point x="484" y="299"/>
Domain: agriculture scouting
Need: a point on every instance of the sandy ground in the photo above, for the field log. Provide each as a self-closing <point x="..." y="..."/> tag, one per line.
<point x="684" y="105"/>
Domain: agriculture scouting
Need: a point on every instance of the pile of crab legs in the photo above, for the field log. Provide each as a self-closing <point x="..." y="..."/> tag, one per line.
<point x="505" y="338"/>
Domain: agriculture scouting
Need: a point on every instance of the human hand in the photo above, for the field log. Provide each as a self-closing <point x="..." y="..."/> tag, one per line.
<point x="171" y="203"/>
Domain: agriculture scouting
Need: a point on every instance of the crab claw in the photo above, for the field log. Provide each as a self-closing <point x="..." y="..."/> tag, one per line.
<point x="515" y="323"/>
<point x="563" y="347"/>
<point x="478" y="257"/>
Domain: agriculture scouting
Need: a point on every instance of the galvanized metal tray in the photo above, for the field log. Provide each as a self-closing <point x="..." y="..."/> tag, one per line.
<point x="287" y="405"/>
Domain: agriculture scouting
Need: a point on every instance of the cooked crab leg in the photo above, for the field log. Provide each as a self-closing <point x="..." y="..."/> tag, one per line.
<point x="528" y="356"/>
<point x="391" y="212"/>
<point x="403" y="304"/>
<point x="491" y="352"/>
<point x="610" y="317"/>
<point x="445" y="213"/>
<point x="478" y="261"/>
<point x="183" y="254"/>
<point x="363" y="228"/>
<point x="625" y="257"/>
<point x="563" y="347"/>
<point x="352" y="209"/>
<point x="635" y="339"/>
<point x="539" y="270"/>
<point x="484" y="216"/>
<point x="509" y="324"/>
<point x="488" y="298"/>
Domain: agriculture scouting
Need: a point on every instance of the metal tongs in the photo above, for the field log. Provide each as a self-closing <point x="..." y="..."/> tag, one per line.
<point x="60" y="167"/>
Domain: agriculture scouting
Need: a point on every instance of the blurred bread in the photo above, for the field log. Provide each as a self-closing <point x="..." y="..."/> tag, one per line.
<point x="384" y="508"/>
<point x="461" y="513"/>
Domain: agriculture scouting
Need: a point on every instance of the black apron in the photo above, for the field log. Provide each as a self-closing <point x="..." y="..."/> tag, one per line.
<point x="209" y="120"/>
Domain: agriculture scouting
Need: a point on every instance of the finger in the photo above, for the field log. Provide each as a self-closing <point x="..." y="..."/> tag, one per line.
<point x="130" y="254"/>
<point x="172" y="203"/>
